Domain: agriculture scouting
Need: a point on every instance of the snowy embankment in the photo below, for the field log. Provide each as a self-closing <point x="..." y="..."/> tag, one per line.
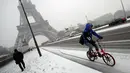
<point x="122" y="59"/>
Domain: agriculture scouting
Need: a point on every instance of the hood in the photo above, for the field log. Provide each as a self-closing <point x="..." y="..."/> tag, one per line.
<point x="87" y="27"/>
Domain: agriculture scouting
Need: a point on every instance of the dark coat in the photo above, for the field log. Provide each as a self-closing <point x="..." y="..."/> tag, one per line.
<point x="18" y="57"/>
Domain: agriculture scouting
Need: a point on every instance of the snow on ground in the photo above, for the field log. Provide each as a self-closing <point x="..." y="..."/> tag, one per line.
<point x="122" y="60"/>
<point x="48" y="63"/>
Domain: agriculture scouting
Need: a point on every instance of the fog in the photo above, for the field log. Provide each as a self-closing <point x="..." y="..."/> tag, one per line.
<point x="59" y="13"/>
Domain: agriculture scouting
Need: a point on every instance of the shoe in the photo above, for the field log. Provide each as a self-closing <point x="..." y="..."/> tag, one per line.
<point x="22" y="70"/>
<point x="99" y="54"/>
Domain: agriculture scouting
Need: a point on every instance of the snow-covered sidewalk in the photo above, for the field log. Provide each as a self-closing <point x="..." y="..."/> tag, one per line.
<point x="48" y="63"/>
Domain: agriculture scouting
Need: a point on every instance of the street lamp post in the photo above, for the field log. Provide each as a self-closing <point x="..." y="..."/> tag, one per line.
<point x="31" y="29"/>
<point x="86" y="18"/>
<point x="123" y="9"/>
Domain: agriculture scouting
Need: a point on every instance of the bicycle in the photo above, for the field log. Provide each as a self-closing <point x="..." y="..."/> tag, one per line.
<point x="107" y="58"/>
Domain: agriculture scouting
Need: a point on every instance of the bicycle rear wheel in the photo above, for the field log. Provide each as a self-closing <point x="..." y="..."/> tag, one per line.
<point x="90" y="55"/>
<point x="108" y="59"/>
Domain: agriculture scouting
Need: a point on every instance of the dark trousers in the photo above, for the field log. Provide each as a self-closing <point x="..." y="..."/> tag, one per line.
<point x="95" y="45"/>
<point x="91" y="45"/>
<point x="21" y="65"/>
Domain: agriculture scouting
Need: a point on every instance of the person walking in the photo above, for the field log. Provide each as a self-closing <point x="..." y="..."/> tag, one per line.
<point x="18" y="57"/>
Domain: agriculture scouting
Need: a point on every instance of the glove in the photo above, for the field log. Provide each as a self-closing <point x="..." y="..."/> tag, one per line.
<point x="101" y="37"/>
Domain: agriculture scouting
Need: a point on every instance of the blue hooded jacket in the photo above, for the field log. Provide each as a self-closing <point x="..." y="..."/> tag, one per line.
<point x="90" y="31"/>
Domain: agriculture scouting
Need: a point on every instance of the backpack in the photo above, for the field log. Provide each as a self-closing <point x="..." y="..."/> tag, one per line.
<point x="81" y="40"/>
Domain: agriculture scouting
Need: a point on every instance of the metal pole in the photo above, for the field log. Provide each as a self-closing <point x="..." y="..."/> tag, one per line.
<point x="86" y="18"/>
<point x="123" y="9"/>
<point x="31" y="30"/>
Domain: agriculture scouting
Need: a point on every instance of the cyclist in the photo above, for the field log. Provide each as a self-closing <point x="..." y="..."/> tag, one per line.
<point x="87" y="36"/>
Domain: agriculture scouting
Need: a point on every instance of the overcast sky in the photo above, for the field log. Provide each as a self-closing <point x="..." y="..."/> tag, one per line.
<point x="59" y="13"/>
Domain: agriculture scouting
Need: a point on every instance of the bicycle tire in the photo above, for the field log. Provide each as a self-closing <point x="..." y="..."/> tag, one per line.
<point x="91" y="58"/>
<point x="107" y="56"/>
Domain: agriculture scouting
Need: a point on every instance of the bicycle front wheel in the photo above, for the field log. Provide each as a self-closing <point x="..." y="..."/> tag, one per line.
<point x="108" y="59"/>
